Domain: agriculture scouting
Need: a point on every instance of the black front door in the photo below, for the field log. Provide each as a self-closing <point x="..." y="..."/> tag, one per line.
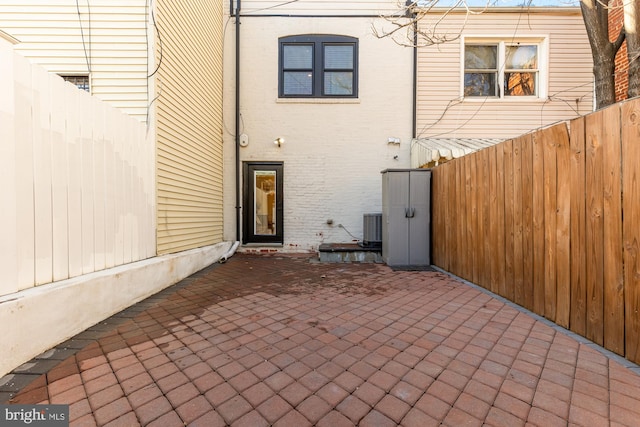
<point x="262" y="213"/>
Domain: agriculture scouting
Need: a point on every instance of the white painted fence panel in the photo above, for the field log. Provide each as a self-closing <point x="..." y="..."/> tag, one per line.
<point x="99" y="184"/>
<point x="59" y="180"/>
<point x="8" y="212"/>
<point x="42" y="167"/>
<point x="24" y="181"/>
<point x="77" y="180"/>
<point x="74" y="183"/>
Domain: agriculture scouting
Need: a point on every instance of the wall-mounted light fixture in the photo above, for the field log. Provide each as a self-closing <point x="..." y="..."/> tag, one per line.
<point x="278" y="141"/>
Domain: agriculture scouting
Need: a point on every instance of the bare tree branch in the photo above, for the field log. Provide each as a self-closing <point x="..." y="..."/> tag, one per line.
<point x="417" y="24"/>
<point x="407" y="23"/>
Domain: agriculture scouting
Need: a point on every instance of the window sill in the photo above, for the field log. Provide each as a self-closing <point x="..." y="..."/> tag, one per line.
<point x="317" y="101"/>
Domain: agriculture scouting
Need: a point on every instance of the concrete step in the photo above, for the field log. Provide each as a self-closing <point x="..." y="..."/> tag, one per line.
<point x="349" y="252"/>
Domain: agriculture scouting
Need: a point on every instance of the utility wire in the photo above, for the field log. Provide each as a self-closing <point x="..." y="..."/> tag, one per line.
<point x="271" y="7"/>
<point x="154" y="22"/>
<point x="84" y="44"/>
<point x="157" y="31"/>
<point x="550" y="98"/>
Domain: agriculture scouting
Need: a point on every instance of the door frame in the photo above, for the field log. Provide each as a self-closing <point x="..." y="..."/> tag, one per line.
<point x="248" y="221"/>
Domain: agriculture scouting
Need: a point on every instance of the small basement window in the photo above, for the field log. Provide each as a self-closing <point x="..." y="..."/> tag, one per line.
<point x="81" y="82"/>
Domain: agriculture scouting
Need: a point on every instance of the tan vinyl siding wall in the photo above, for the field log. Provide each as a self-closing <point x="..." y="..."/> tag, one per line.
<point x="114" y="48"/>
<point x="189" y="124"/>
<point x="443" y="114"/>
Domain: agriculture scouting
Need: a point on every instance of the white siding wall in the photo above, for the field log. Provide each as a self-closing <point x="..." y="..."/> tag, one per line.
<point x="114" y="49"/>
<point x="441" y="111"/>
<point x="334" y="151"/>
<point x="77" y="180"/>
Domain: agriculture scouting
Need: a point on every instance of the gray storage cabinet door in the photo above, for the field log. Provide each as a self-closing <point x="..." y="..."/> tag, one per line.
<point x="395" y="224"/>
<point x="406" y="217"/>
<point x="420" y="223"/>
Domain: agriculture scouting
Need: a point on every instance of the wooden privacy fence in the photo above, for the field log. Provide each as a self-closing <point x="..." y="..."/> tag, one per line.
<point x="539" y="220"/>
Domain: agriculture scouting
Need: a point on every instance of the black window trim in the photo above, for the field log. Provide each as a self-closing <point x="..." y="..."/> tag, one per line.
<point x="318" y="41"/>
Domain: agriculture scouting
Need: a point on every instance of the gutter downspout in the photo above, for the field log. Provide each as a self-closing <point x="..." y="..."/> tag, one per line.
<point x="229" y="253"/>
<point x="237" y="120"/>
<point x="414" y="124"/>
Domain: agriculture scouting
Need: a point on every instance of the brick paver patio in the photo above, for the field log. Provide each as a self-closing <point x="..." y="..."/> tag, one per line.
<point x="287" y="341"/>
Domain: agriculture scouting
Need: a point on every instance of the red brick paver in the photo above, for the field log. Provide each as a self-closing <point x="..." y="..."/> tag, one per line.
<point x="288" y="341"/>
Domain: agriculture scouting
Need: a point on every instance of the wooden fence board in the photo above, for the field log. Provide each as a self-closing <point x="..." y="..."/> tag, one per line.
<point x="475" y="197"/>
<point x="494" y="244"/>
<point x="462" y="218"/>
<point x="507" y="286"/>
<point x="480" y="235"/>
<point x="612" y="213"/>
<point x="452" y="247"/>
<point x="527" y="221"/>
<point x="499" y="219"/>
<point x="563" y="225"/>
<point x="470" y="217"/>
<point x="631" y="226"/>
<point x="437" y="197"/>
<point x="538" y="223"/>
<point x="594" y="237"/>
<point x="578" y="315"/>
<point x="518" y="273"/>
<point x="448" y="217"/>
<point x="550" y="189"/>
<point x="444" y="210"/>
<point x="443" y="220"/>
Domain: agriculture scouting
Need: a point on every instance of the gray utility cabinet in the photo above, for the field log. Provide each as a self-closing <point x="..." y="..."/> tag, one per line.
<point x="406" y="217"/>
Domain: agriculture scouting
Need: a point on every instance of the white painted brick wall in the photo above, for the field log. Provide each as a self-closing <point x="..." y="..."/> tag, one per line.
<point x="333" y="152"/>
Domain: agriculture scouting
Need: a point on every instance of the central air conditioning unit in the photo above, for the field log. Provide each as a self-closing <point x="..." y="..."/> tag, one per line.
<point x="372" y="230"/>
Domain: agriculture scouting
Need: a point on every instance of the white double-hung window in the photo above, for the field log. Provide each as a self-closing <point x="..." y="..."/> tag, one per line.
<point x="503" y="69"/>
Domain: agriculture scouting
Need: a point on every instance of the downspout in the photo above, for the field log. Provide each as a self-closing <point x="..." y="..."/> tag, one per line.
<point x="238" y="218"/>
<point x="414" y="131"/>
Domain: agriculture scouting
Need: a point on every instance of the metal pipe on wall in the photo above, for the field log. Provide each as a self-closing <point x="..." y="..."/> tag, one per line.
<point x="237" y="130"/>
